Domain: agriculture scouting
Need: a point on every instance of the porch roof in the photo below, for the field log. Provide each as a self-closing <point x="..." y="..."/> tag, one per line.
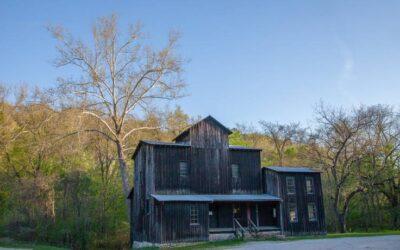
<point x="216" y="197"/>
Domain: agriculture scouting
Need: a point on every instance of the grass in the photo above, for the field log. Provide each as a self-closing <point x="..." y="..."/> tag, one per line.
<point x="14" y="244"/>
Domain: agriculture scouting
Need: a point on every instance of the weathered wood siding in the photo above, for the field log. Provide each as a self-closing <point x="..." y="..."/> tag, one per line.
<point x="167" y="178"/>
<point x="209" y="158"/>
<point x="303" y="226"/>
<point x="144" y="186"/>
<point x="270" y="183"/>
<point x="249" y="171"/>
<point x="175" y="221"/>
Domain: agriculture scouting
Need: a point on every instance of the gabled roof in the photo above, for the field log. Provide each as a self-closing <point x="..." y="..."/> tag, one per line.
<point x="208" y="118"/>
<point x="215" y="197"/>
<point x="157" y="143"/>
<point x="280" y="169"/>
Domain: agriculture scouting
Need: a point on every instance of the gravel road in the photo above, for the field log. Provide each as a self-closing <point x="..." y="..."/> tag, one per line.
<point x="390" y="242"/>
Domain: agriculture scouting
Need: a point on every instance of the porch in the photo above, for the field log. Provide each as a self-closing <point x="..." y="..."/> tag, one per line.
<point x="227" y="217"/>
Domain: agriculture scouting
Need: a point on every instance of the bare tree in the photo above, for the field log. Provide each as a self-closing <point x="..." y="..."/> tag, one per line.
<point x="337" y="147"/>
<point x="381" y="171"/>
<point x="282" y="135"/>
<point x="119" y="77"/>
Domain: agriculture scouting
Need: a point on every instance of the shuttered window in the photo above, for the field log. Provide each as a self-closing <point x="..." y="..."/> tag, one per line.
<point x="310" y="185"/>
<point x="312" y="211"/>
<point x="194" y="215"/>
<point x="290" y="185"/>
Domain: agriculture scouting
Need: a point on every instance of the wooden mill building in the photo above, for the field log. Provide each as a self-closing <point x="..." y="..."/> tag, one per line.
<point x="199" y="187"/>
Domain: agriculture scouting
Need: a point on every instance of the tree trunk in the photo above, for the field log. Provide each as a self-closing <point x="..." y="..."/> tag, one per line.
<point x="124" y="174"/>
<point x="342" y="223"/>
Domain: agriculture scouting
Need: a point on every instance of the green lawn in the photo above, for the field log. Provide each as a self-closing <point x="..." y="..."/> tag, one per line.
<point x="29" y="246"/>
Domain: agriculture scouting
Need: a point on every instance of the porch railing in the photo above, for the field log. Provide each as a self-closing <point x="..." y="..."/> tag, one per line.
<point x="253" y="229"/>
<point x="239" y="230"/>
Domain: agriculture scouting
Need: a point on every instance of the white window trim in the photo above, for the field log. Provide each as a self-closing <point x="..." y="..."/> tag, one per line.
<point x="315" y="212"/>
<point x="294" y="185"/>
<point x="312" y="185"/>
<point x="296" y="212"/>
<point x="194" y="208"/>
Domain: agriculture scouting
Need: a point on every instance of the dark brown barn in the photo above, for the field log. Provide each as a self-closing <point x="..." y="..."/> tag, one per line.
<point x="199" y="188"/>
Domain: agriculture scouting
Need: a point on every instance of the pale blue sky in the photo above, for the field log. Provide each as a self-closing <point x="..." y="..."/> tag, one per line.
<point x="249" y="60"/>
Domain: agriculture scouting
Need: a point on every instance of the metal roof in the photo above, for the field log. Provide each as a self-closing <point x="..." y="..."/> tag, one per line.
<point x="216" y="197"/>
<point x="161" y="143"/>
<point x="158" y="143"/>
<point x="235" y="147"/>
<point x="292" y="169"/>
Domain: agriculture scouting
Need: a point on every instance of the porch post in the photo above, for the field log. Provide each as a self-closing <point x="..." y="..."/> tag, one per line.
<point x="248" y="211"/>
<point x="257" y="221"/>
<point x="281" y="216"/>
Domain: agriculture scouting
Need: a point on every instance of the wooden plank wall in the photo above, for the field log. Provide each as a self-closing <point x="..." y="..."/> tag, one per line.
<point x="249" y="171"/>
<point x="270" y="182"/>
<point x="175" y="217"/>
<point x="209" y="158"/>
<point x="303" y="226"/>
<point x="166" y="165"/>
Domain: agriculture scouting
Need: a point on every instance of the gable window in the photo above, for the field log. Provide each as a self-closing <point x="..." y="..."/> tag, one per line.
<point x="290" y="185"/>
<point x="310" y="185"/>
<point x="312" y="211"/>
<point x="194" y="215"/>
<point x="292" y="208"/>
<point x="183" y="171"/>
<point x="235" y="172"/>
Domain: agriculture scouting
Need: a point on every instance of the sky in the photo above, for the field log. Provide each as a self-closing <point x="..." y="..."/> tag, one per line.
<point x="246" y="60"/>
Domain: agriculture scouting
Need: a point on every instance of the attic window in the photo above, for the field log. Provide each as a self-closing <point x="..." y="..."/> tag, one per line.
<point x="290" y="185"/>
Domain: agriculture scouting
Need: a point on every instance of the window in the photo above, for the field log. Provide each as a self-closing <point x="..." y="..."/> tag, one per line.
<point x="312" y="211"/>
<point x="292" y="207"/>
<point x="194" y="215"/>
<point x="290" y="185"/>
<point x="235" y="172"/>
<point x="183" y="171"/>
<point x="309" y="185"/>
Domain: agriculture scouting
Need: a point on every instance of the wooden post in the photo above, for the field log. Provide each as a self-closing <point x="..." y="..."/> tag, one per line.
<point x="257" y="220"/>
<point x="248" y="211"/>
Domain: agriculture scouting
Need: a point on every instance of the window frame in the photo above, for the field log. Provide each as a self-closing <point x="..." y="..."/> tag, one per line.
<point x="296" y="218"/>
<point x="194" y="215"/>
<point x="183" y="178"/>
<point x="235" y="178"/>
<point x="312" y="186"/>
<point x="287" y="185"/>
<point x="314" y="212"/>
